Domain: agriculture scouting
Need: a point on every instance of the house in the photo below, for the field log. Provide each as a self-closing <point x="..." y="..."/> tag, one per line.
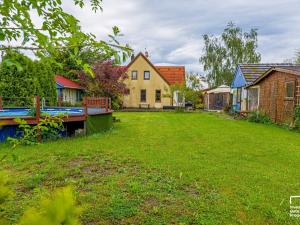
<point x="278" y="93"/>
<point x="217" y="98"/>
<point x="68" y="90"/>
<point x="150" y="86"/>
<point x="245" y="75"/>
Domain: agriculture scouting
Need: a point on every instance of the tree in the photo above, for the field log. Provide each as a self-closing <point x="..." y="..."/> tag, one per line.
<point x="190" y="90"/>
<point x="57" y="30"/>
<point x="222" y="54"/>
<point x="108" y="81"/>
<point x="29" y="79"/>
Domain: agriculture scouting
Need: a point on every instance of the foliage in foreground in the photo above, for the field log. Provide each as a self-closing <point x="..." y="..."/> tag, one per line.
<point x="221" y="55"/>
<point x="5" y="192"/>
<point x="258" y="117"/>
<point x="49" y="128"/>
<point x="59" y="209"/>
<point x="56" y="29"/>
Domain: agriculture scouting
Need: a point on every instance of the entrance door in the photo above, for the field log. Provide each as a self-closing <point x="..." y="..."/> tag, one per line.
<point x="219" y="101"/>
<point x="273" y="104"/>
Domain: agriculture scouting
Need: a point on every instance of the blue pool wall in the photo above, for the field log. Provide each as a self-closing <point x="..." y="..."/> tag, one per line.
<point x="7" y="131"/>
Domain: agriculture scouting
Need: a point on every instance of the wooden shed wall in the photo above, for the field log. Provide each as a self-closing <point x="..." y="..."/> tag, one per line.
<point x="273" y="99"/>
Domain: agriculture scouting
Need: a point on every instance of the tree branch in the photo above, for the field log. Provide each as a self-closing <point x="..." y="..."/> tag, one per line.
<point x="30" y="48"/>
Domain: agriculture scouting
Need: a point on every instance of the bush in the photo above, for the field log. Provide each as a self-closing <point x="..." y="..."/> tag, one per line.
<point x="227" y="108"/>
<point x="60" y="209"/>
<point x="5" y="194"/>
<point x="49" y="127"/>
<point x="258" y="117"/>
<point x="296" y="124"/>
<point x="25" y="79"/>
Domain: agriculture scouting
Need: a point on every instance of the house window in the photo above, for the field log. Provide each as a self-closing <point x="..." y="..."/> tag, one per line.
<point x="78" y="96"/>
<point x="158" y="96"/>
<point x="143" y="95"/>
<point x="238" y="95"/>
<point x="134" y="75"/>
<point x="289" y="89"/>
<point x="146" y="75"/>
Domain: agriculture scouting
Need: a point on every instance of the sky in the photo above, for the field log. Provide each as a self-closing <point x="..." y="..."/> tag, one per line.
<point x="172" y="30"/>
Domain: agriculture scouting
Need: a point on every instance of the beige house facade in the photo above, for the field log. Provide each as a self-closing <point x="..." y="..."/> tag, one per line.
<point x="150" y="86"/>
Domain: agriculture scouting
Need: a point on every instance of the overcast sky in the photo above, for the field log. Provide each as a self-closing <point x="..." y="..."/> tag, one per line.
<point x="172" y="30"/>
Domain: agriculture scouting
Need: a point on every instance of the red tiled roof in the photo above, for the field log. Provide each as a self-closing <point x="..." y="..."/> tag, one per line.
<point x="173" y="74"/>
<point x="67" y="83"/>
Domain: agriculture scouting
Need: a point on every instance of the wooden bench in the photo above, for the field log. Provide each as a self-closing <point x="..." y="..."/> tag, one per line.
<point x="144" y="105"/>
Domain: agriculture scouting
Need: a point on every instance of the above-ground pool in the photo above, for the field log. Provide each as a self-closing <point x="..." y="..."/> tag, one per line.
<point x="94" y="116"/>
<point x="75" y="119"/>
<point x="20" y="112"/>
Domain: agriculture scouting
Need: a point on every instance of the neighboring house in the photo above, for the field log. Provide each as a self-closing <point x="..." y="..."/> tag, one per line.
<point x="217" y="98"/>
<point x="149" y="85"/>
<point x="279" y="93"/>
<point x="68" y="90"/>
<point x="245" y="75"/>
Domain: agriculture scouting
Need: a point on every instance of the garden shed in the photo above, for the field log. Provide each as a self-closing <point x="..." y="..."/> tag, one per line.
<point x="244" y="76"/>
<point x="217" y="98"/>
<point x="278" y="93"/>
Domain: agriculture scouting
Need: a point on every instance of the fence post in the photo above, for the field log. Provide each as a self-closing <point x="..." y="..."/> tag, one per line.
<point x="59" y="101"/>
<point x="1" y="103"/>
<point x="38" y="116"/>
<point x="106" y="104"/>
<point x="85" y="107"/>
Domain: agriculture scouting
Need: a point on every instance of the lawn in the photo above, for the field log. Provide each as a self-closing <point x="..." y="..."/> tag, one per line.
<point x="166" y="168"/>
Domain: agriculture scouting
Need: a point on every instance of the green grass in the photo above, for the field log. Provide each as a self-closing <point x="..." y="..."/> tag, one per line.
<point x="166" y="168"/>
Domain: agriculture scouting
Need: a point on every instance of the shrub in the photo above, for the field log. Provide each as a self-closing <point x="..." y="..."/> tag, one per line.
<point x="49" y="127"/>
<point x="26" y="79"/>
<point x="296" y="124"/>
<point x="60" y="209"/>
<point x="227" y="108"/>
<point x="258" y="117"/>
<point x="5" y="192"/>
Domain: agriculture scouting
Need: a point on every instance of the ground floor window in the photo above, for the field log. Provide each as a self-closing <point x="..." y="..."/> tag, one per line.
<point x="289" y="89"/>
<point x="158" y="96"/>
<point x="78" y="96"/>
<point x="143" y="95"/>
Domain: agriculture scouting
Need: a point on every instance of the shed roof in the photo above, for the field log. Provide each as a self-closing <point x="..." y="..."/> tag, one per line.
<point x="251" y="72"/>
<point x="220" y="89"/>
<point x="67" y="83"/>
<point x="295" y="70"/>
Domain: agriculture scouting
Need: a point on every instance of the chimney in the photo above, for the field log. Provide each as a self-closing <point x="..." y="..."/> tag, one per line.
<point x="146" y="53"/>
<point x="132" y="56"/>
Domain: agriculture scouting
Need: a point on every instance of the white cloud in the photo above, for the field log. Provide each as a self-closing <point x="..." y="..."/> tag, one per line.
<point x="172" y="30"/>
